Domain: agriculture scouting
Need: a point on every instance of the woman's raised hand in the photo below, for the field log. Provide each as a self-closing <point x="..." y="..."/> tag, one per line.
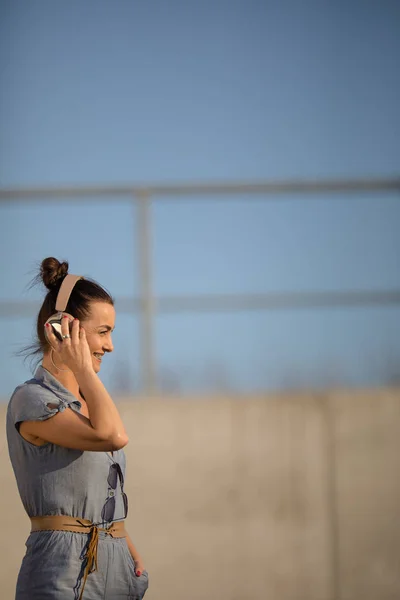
<point x="73" y="351"/>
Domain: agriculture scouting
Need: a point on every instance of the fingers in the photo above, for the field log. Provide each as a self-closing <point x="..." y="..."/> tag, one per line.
<point x="75" y="331"/>
<point x="52" y="339"/>
<point x="65" y="327"/>
<point x="138" y="568"/>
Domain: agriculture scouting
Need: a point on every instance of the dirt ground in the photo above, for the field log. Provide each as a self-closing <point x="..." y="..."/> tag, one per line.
<point x="290" y="497"/>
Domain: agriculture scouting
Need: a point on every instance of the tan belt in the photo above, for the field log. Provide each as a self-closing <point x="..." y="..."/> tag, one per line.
<point x="65" y="523"/>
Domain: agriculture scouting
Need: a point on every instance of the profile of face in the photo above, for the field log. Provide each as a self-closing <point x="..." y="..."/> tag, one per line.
<point x="99" y="327"/>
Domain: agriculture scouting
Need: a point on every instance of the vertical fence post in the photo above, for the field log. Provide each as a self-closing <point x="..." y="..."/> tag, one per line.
<point x="144" y="246"/>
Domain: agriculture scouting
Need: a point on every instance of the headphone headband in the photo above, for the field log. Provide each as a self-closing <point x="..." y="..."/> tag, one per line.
<point x="65" y="291"/>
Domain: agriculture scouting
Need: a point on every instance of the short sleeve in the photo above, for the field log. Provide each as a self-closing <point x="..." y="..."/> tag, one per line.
<point x="32" y="402"/>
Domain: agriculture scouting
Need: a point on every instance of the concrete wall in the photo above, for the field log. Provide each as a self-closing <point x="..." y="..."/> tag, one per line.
<point x="278" y="497"/>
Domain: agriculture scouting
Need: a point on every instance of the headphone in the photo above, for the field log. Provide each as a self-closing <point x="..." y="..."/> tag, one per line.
<point x="61" y="304"/>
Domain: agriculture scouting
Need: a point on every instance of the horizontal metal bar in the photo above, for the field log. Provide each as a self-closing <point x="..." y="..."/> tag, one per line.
<point x="164" y="190"/>
<point x="233" y="302"/>
<point x="278" y="300"/>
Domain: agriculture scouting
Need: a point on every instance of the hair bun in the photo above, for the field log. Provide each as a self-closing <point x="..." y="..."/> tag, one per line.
<point x="52" y="272"/>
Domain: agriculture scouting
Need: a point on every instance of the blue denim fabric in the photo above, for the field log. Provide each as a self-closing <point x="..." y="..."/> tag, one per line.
<point x="53" y="480"/>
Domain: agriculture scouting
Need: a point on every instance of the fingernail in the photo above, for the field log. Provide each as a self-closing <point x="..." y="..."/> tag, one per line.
<point x="65" y="317"/>
<point x="138" y="573"/>
<point x="47" y="325"/>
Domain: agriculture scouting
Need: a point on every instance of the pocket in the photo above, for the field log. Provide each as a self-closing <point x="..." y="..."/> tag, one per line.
<point x="144" y="581"/>
<point x="137" y="585"/>
<point x="141" y="584"/>
<point x="37" y="542"/>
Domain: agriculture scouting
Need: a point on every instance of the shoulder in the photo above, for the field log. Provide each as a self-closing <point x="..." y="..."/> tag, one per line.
<point x="32" y="401"/>
<point x="30" y="391"/>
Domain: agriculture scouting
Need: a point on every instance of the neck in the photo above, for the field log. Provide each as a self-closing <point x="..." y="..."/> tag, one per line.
<point x="66" y="378"/>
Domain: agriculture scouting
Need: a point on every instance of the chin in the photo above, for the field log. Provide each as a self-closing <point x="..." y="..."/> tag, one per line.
<point x="96" y="365"/>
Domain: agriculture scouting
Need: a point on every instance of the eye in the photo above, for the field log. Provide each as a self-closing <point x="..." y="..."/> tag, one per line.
<point x="103" y="332"/>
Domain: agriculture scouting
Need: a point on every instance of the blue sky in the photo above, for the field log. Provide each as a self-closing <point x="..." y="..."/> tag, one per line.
<point x="136" y="92"/>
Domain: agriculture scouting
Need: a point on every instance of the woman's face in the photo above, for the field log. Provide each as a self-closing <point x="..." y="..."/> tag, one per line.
<point x="99" y="327"/>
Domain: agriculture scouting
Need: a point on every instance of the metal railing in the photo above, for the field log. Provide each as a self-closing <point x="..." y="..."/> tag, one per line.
<point x="147" y="305"/>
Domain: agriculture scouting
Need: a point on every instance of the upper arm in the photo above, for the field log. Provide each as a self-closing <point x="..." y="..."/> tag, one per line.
<point x="71" y="430"/>
<point x="38" y="413"/>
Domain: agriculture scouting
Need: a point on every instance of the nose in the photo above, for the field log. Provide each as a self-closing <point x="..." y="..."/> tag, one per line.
<point x="108" y="346"/>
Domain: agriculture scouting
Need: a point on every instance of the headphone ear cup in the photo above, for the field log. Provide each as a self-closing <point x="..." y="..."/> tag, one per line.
<point x="55" y="322"/>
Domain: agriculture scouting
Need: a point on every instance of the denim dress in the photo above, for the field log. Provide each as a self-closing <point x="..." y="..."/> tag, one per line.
<point x="53" y="480"/>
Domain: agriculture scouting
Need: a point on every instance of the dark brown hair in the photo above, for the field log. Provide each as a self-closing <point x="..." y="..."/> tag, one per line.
<point x="52" y="273"/>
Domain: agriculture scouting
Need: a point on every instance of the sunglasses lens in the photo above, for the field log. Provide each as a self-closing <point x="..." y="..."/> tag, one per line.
<point x="113" y="477"/>
<point x="107" y="514"/>
<point x="125" y="499"/>
<point x="120" y="474"/>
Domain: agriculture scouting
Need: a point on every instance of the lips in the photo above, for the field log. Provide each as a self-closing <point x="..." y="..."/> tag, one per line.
<point x="98" y="356"/>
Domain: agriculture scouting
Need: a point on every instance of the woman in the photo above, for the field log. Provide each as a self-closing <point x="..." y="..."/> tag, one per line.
<point x="65" y="439"/>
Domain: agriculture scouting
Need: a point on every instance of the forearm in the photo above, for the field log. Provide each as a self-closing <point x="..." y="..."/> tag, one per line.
<point x="133" y="550"/>
<point x="104" y="416"/>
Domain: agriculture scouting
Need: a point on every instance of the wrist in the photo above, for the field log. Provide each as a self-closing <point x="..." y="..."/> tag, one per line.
<point x="84" y="373"/>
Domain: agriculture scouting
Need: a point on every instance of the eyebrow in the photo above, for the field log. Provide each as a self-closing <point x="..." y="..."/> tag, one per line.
<point x="106" y="327"/>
